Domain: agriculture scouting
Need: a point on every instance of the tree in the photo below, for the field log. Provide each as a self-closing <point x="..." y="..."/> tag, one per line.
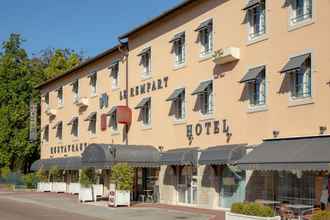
<point x="122" y="175"/>
<point x="19" y="74"/>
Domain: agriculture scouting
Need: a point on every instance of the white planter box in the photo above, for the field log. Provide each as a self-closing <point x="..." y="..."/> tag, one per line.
<point x="74" y="188"/>
<point x="86" y="194"/>
<point x="44" y="187"/>
<point x="234" y="216"/>
<point x="122" y="198"/>
<point x="59" y="187"/>
<point x="97" y="190"/>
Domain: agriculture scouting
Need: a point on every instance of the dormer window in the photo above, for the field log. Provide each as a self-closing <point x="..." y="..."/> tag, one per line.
<point x="205" y="36"/>
<point x="145" y="62"/>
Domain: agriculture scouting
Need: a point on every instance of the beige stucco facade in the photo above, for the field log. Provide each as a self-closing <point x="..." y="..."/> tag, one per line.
<point x="290" y="117"/>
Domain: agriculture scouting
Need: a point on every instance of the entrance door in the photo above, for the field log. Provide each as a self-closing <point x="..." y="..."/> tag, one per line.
<point x="187" y="185"/>
<point x="232" y="187"/>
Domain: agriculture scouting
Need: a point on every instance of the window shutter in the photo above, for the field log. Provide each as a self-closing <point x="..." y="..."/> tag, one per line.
<point x="103" y="122"/>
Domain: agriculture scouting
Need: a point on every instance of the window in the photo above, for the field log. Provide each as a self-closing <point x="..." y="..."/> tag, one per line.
<point x="46" y="133"/>
<point x="258" y="90"/>
<point x="301" y="10"/>
<point x="75" y="127"/>
<point x="60" y="97"/>
<point x="75" y="90"/>
<point x="47" y="100"/>
<point x="207" y="100"/>
<point x="302" y="82"/>
<point x="179" y="48"/>
<point x="257" y="20"/>
<point x="146" y="62"/>
<point x="114" y="72"/>
<point x="205" y="30"/>
<point x="92" y="124"/>
<point x="180" y="107"/>
<point x="146" y="113"/>
<point x="113" y="121"/>
<point x="93" y="83"/>
<point x="59" y="131"/>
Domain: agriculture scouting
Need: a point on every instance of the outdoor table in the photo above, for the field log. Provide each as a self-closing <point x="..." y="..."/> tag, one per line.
<point x="299" y="208"/>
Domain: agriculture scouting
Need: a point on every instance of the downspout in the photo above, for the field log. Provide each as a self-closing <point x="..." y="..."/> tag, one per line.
<point x="125" y="54"/>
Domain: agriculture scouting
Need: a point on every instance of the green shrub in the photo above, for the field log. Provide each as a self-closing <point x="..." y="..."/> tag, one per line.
<point x="30" y="180"/>
<point x="5" y="173"/>
<point x="42" y="175"/>
<point x="55" y="174"/>
<point x="122" y="175"/>
<point x="253" y="209"/>
<point x="87" y="177"/>
<point x="321" y="215"/>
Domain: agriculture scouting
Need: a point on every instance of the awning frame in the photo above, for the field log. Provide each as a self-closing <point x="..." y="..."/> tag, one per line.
<point x="202" y="87"/>
<point x="143" y="103"/>
<point x="176" y="94"/>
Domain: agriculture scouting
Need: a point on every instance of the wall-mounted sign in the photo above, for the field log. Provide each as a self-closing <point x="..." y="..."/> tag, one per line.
<point x="144" y="88"/>
<point x="207" y="128"/>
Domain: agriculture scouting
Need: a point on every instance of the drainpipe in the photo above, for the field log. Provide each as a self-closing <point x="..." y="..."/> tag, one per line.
<point x="125" y="54"/>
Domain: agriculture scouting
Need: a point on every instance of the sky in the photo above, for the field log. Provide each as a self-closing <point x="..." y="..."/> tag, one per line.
<point x="90" y="26"/>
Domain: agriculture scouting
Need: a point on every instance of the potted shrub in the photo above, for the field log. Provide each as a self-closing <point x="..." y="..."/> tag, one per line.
<point x="58" y="184"/>
<point x="321" y="215"/>
<point x="86" y="181"/>
<point x="122" y="177"/>
<point x="43" y="181"/>
<point x="251" y="211"/>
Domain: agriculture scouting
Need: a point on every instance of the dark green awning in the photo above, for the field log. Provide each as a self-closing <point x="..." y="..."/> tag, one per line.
<point x="106" y="155"/>
<point x="184" y="156"/>
<point x="178" y="37"/>
<point x="204" y="25"/>
<point x="145" y="51"/>
<point x="202" y="87"/>
<point x="175" y="94"/>
<point x="253" y="74"/>
<point x="143" y="102"/>
<point x="295" y="63"/>
<point x="64" y="163"/>
<point x="251" y="4"/>
<point x="303" y="153"/>
<point x="221" y="155"/>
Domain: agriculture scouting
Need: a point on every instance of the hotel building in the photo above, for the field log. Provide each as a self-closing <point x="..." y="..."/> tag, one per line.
<point x="212" y="102"/>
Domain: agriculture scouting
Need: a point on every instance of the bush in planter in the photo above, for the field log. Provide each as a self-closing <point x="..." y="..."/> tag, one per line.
<point x="87" y="177"/>
<point x="253" y="209"/>
<point x="321" y="215"/>
<point x="122" y="176"/>
<point x="55" y="174"/>
<point x="42" y="176"/>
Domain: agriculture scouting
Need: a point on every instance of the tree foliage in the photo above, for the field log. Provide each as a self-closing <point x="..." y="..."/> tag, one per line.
<point x="122" y="175"/>
<point x="19" y="74"/>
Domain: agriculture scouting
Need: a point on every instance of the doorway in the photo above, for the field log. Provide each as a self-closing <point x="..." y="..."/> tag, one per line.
<point x="187" y="185"/>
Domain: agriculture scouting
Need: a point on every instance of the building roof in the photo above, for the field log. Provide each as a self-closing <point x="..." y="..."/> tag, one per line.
<point x="79" y="66"/>
<point x="155" y="19"/>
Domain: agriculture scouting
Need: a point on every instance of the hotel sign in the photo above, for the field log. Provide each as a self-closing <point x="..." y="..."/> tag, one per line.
<point x="207" y="128"/>
<point x="145" y="88"/>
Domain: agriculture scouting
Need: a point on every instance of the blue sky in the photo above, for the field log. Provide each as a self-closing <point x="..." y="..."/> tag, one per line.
<point x="88" y="25"/>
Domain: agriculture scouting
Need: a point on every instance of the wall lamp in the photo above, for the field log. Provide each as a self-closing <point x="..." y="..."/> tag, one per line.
<point x="276" y="133"/>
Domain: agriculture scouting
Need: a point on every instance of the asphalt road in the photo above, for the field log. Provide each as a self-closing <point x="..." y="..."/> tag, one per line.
<point x="13" y="210"/>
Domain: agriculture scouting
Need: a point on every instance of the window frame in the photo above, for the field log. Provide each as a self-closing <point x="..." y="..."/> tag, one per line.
<point x="59" y="132"/>
<point x="114" y="70"/>
<point x="259" y="84"/>
<point x="306" y="86"/>
<point x="92" y="129"/>
<point x="146" y="66"/>
<point x="293" y="16"/>
<point x="180" y="107"/>
<point x="179" y="45"/>
<point x="75" y="90"/>
<point x="45" y="137"/>
<point x="252" y="24"/>
<point x="146" y="114"/>
<point x="75" y="128"/>
<point x="113" y="122"/>
<point x="210" y="37"/>
<point x="93" y="83"/>
<point x="207" y="101"/>
<point x="60" y="97"/>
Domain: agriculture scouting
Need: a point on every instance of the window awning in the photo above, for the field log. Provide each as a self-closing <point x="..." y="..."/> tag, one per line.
<point x="295" y="63"/>
<point x="112" y="110"/>
<point x="221" y="155"/>
<point x="72" y="120"/>
<point x="202" y="87"/>
<point x="306" y="153"/>
<point x="178" y="37"/>
<point x="145" y="51"/>
<point x="204" y="25"/>
<point x="175" y="94"/>
<point x="57" y="124"/>
<point x="252" y="74"/>
<point x="106" y="155"/>
<point x="65" y="163"/>
<point x="91" y="116"/>
<point x="185" y="156"/>
<point x="143" y="102"/>
<point x="251" y="4"/>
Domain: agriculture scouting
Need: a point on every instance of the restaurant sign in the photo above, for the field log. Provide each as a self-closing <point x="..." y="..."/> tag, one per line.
<point x="145" y="88"/>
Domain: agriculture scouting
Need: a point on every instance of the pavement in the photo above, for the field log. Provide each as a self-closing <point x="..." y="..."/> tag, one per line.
<point x="40" y="206"/>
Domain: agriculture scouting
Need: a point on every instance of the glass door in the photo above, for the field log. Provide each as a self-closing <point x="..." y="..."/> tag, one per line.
<point x="187" y="185"/>
<point x="232" y="187"/>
